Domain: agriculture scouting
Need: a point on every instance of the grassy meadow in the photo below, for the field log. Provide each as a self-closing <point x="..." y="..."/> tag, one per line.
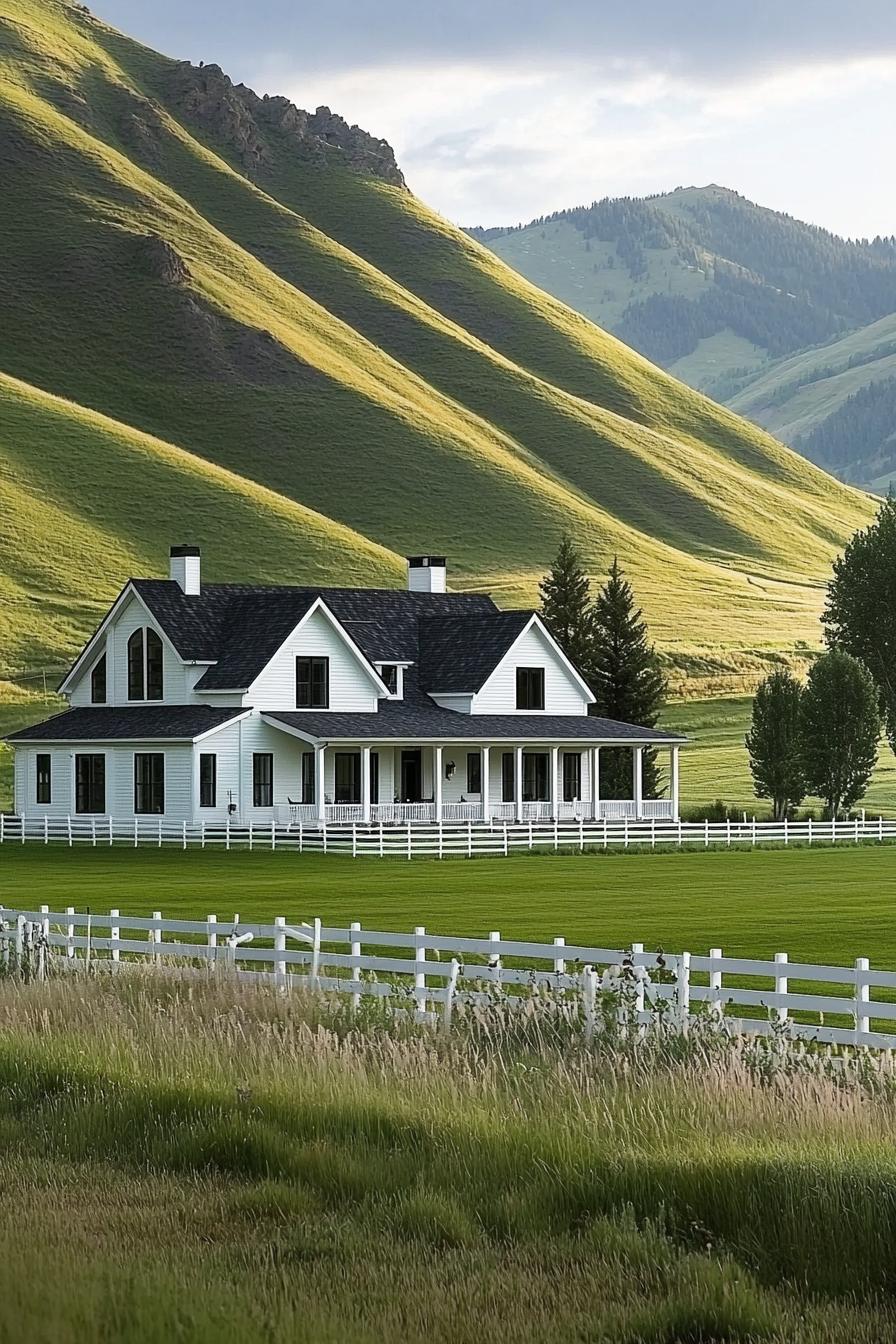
<point x="823" y="905"/>
<point x="219" y="1163"/>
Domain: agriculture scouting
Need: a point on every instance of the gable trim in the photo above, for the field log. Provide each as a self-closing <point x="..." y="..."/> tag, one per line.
<point x="319" y="605"/>
<point x="536" y="623"/>
<point x="92" y="645"/>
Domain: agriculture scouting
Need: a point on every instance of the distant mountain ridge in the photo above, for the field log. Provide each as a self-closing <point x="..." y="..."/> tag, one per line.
<point x="714" y="288"/>
<point x="230" y="322"/>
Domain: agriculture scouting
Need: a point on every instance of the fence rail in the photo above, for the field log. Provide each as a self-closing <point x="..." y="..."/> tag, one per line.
<point x="432" y="973"/>
<point x="459" y="838"/>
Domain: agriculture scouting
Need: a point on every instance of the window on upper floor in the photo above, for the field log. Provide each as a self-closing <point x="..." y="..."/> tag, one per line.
<point x="530" y="688"/>
<point x="312" y="683"/>
<point x="98" y="682"/>
<point x="145" y="662"/>
<point x="389" y="674"/>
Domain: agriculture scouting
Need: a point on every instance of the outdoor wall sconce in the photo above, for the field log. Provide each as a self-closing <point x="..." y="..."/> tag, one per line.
<point x="450" y="768"/>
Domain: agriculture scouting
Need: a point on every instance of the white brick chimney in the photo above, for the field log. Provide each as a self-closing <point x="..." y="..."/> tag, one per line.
<point x="427" y="574"/>
<point x="184" y="568"/>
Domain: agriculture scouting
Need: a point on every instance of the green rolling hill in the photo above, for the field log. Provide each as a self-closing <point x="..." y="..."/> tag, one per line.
<point x="229" y="321"/>
<point x="780" y="320"/>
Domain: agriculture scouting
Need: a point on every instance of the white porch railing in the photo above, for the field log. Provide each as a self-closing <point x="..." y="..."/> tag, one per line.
<point x="402" y="812"/>
<point x="461" y="811"/>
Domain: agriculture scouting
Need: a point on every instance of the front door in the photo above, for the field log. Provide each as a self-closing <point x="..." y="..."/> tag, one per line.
<point x="411" y="776"/>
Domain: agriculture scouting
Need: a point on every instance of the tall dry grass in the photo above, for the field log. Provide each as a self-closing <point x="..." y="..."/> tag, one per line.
<point x="211" y="1160"/>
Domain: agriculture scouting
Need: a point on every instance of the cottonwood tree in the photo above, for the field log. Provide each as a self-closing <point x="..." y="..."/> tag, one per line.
<point x="839" y="730"/>
<point x="774" y="743"/>
<point x="626" y="680"/>
<point x="860" y="614"/>
<point x="566" y="606"/>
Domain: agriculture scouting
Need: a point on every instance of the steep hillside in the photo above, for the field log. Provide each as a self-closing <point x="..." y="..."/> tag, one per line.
<point x="701" y="280"/>
<point x="263" y="340"/>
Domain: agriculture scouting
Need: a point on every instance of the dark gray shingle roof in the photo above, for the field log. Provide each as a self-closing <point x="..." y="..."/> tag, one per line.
<point x="396" y="719"/>
<point x="136" y="723"/>
<point x="458" y="653"/>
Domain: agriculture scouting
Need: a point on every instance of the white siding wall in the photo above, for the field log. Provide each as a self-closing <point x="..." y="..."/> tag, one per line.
<point x="561" y="693"/>
<point x="350" y="686"/>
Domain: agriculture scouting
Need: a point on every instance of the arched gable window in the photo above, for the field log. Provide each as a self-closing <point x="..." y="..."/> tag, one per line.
<point x="98" y="682"/>
<point x="145" y="680"/>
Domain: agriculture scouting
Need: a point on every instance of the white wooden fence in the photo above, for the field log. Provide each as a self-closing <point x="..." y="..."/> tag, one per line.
<point x="412" y="840"/>
<point x="433" y="972"/>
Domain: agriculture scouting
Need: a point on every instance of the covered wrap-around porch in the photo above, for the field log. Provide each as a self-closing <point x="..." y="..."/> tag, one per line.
<point x="381" y="783"/>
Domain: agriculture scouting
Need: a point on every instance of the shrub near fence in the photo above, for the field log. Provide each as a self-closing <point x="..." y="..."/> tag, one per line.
<point x="415" y="839"/>
<point x="432" y="973"/>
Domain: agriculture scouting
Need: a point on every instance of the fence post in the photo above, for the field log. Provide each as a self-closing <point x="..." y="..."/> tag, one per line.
<point x="93" y="831"/>
<point x="706" y="832"/>
<point x="715" y="984"/>
<point x="160" y="833"/>
<point x="227" y="833"/>
<point x="46" y="828"/>
<point x="494" y="960"/>
<point x="505" y="839"/>
<point x="754" y="831"/>
<point x="409" y="840"/>
<point x="653" y="833"/>
<point x="114" y="935"/>
<point x="354" y="839"/>
<point x="605" y="832"/>
<point x="2" y="828"/>
<point x="324" y="834"/>
<point x="683" y="989"/>
<point x="469" y="839"/>
<point x="70" y="934"/>
<point x="280" y="946"/>
<point x="212" y="937"/>
<point x="355" y="950"/>
<point x="135" y="832"/>
<point x="785" y="828"/>
<point x="589" y="995"/>
<point x="111" y="836"/>
<point x="880" y="827"/>
<point x="441" y="839"/>
<point x="450" y="990"/>
<point x="833" y="830"/>
<point x="637" y="950"/>
<point x="250" y="835"/>
<point x="781" y="985"/>
<point x="863" y="998"/>
<point x="559" y="962"/>
<point x="20" y="940"/>
<point x="315" y="953"/>
<point x="68" y="819"/>
<point x="679" y="832"/>
<point x="728" y="831"/>
<point x="185" y="835"/>
<point x="273" y="835"/>
<point x="156" y="935"/>
<point x="301" y="837"/>
<point x="581" y="835"/>
<point x="810" y="831"/>
<point x="625" y="831"/>
<point x="420" y="969"/>
<point x="381" y="837"/>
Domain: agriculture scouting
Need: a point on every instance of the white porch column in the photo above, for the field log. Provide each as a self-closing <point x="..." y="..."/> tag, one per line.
<point x="555" y="792"/>
<point x="518" y="782"/>
<point x="486" y="785"/>
<point x="319" y="783"/>
<point x="673" y="786"/>
<point x="365" y="785"/>
<point x="437" y="780"/>
<point x="637" y="779"/>
<point x="595" y="782"/>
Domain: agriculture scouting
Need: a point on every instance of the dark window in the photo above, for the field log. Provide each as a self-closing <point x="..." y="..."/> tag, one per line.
<point x="530" y="688"/>
<point x="90" y="783"/>
<point x="312" y="683"/>
<point x="535" y="777"/>
<point x="389" y="674"/>
<point x="572" y="776"/>
<point x="411" y="777"/>
<point x="374" y="776"/>
<point x="44" y="779"/>
<point x="309" y="793"/>
<point x="208" y="779"/>
<point x="507" y="774"/>
<point x="98" y="682"/>
<point x="149" y="783"/>
<point x="262" y="779"/>
<point x="153" y="666"/>
<point x="136" y="680"/>
<point x="474" y="772"/>
<point x="348" y="776"/>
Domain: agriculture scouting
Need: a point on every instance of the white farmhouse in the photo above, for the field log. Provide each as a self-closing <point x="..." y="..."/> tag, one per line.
<point x="207" y="702"/>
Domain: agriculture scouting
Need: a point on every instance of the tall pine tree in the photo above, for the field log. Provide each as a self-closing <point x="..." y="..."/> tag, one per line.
<point x="626" y="679"/>
<point x="566" y="606"/>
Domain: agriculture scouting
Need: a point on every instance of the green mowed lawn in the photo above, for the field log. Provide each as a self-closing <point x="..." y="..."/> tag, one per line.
<point x="826" y="905"/>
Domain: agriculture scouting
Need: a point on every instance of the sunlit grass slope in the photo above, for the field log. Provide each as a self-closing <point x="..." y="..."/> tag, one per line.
<point x="334" y="344"/>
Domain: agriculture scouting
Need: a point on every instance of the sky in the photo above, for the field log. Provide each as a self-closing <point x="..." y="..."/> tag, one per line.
<point x="503" y="110"/>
